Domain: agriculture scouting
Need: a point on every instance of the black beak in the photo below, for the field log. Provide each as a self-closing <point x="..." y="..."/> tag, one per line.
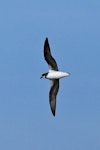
<point x="41" y="77"/>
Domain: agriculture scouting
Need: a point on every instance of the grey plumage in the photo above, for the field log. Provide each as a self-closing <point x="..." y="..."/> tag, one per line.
<point x="52" y="95"/>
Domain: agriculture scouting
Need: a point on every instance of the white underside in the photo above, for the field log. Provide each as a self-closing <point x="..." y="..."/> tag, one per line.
<point x="56" y="74"/>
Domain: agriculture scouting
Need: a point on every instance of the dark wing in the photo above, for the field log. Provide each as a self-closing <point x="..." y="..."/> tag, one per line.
<point x="52" y="94"/>
<point x="48" y="57"/>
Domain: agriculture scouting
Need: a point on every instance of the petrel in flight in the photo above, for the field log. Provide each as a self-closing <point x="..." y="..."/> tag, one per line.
<point x="53" y="75"/>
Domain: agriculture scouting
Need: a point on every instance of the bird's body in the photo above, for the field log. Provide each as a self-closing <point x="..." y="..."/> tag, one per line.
<point x="53" y="75"/>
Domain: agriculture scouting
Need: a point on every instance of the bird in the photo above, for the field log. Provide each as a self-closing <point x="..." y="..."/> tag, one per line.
<point x="53" y="75"/>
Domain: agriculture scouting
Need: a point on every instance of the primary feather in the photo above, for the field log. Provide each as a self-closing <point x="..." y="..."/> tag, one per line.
<point x="52" y="94"/>
<point x="48" y="57"/>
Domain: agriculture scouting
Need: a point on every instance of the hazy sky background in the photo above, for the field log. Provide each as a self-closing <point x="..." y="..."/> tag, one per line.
<point x="73" y="30"/>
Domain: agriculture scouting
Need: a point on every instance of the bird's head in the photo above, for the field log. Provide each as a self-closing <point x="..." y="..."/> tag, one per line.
<point x="43" y="75"/>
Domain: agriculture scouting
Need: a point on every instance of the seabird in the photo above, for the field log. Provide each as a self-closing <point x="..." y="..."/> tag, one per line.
<point x="53" y="75"/>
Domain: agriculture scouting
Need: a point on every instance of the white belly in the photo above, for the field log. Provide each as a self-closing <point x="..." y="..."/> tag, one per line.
<point x="56" y="74"/>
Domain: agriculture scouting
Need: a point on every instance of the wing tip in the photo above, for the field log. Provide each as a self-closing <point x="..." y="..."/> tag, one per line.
<point x="46" y="40"/>
<point x="53" y="112"/>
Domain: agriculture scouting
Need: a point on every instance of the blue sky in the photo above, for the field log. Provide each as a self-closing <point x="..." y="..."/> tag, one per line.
<point x="73" y="29"/>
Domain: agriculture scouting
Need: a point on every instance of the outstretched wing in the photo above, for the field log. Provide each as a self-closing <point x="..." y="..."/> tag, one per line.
<point x="52" y="94"/>
<point x="48" y="57"/>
